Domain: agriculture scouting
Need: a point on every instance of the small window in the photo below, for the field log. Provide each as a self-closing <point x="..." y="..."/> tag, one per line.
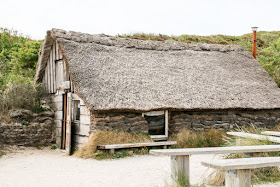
<point x="76" y="111"/>
<point x="157" y="123"/>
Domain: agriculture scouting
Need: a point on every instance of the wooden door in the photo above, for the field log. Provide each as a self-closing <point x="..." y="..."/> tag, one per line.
<point x="68" y="123"/>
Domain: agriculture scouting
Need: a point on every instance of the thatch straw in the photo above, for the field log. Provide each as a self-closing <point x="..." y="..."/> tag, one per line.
<point x="126" y="74"/>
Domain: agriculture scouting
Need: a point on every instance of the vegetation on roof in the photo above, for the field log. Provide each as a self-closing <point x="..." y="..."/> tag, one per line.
<point x="19" y="54"/>
<point x="268" y="45"/>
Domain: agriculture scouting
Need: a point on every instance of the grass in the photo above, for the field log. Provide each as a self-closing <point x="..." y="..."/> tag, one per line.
<point x="89" y="150"/>
<point x="54" y="146"/>
<point x="261" y="175"/>
<point x="2" y="153"/>
<point x="186" y="138"/>
<point x="208" y="138"/>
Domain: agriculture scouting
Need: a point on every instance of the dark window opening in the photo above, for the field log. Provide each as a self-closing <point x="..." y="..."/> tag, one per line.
<point x="156" y="124"/>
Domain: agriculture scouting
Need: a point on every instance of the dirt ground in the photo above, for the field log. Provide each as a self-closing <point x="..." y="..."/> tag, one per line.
<point x="33" y="167"/>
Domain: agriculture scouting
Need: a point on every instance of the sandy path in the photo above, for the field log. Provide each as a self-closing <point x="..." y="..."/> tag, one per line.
<point x="31" y="167"/>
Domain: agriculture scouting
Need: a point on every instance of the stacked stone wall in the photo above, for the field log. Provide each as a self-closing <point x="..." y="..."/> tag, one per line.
<point x="28" y="129"/>
<point x="128" y="122"/>
<point x="193" y="120"/>
<point x="224" y="119"/>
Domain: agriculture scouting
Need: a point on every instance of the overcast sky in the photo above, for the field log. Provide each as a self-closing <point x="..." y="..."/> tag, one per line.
<point x="172" y="17"/>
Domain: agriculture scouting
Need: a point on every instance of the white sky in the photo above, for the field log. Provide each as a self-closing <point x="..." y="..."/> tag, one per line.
<point x="172" y="17"/>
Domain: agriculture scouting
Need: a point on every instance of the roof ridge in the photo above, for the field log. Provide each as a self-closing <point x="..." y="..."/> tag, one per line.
<point x="139" y="44"/>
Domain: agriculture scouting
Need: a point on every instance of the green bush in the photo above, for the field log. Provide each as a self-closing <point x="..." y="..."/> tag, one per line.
<point x="22" y="95"/>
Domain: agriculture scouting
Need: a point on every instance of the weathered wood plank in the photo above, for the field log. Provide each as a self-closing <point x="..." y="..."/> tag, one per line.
<point x="243" y="163"/>
<point x="238" y="178"/>
<point x="59" y="73"/>
<point x="51" y="71"/>
<point x="255" y="136"/>
<point x="180" y="165"/>
<point x="149" y="144"/>
<point x="49" y="76"/>
<point x="217" y="150"/>
<point x="54" y="72"/>
<point x="272" y="133"/>
<point x="65" y="72"/>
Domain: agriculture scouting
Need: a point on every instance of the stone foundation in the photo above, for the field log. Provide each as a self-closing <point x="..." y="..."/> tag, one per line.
<point x="128" y="122"/>
<point x="193" y="120"/>
<point x="28" y="129"/>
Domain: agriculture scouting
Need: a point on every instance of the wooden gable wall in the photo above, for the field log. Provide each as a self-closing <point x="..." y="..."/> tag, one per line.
<point x="56" y="71"/>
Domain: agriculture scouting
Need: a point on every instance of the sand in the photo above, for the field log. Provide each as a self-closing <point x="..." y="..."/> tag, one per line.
<point x="33" y="167"/>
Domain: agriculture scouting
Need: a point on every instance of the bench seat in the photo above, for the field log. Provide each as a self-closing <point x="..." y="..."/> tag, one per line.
<point x="255" y="136"/>
<point x="243" y="163"/>
<point x="238" y="171"/>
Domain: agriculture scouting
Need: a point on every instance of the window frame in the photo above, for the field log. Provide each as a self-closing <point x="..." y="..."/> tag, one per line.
<point x="156" y="113"/>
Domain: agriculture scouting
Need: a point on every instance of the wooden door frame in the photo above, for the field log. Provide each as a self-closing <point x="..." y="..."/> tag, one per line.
<point x="63" y="130"/>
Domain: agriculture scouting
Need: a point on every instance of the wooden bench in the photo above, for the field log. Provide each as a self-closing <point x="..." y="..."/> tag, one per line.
<point x="238" y="171"/>
<point x="134" y="145"/>
<point x="180" y="157"/>
<point x="255" y="136"/>
<point x="271" y="133"/>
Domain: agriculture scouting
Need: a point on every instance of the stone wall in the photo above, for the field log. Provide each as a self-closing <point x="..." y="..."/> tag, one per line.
<point x="125" y="121"/>
<point x="222" y="119"/>
<point x="193" y="120"/>
<point x="28" y="129"/>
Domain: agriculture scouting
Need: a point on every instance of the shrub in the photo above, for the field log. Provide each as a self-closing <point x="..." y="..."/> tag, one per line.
<point x="53" y="146"/>
<point x="22" y="95"/>
<point x="208" y="138"/>
<point x="89" y="150"/>
<point x="2" y="153"/>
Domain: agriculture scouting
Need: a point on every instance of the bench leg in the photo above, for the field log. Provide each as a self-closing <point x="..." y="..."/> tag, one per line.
<point x="238" y="178"/>
<point x="112" y="151"/>
<point x="180" y="167"/>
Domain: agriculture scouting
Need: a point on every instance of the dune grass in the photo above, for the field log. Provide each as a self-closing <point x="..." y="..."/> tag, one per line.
<point x="207" y="138"/>
<point x="89" y="150"/>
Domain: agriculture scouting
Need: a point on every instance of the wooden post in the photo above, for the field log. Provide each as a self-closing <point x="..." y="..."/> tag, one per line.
<point x="238" y="178"/>
<point x="180" y="166"/>
<point x="112" y="151"/>
<point x="255" y="44"/>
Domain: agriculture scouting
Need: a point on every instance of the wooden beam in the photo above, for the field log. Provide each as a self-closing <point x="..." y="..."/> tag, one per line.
<point x="53" y="69"/>
<point x="150" y="144"/>
<point x="255" y="136"/>
<point x="216" y="150"/>
<point x="272" y="133"/>
<point x="243" y="163"/>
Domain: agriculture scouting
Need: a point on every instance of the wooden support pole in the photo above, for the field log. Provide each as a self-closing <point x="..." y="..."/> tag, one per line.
<point x="180" y="167"/>
<point x="112" y="151"/>
<point x="238" y="178"/>
<point x="255" y="44"/>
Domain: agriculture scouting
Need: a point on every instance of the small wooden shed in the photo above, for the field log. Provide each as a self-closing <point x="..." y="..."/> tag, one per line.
<point x="104" y="82"/>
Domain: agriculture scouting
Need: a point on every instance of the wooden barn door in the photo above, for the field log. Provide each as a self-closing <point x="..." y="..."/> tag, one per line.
<point x="68" y="123"/>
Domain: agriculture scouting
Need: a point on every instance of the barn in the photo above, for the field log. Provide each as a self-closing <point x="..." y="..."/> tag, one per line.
<point x="100" y="82"/>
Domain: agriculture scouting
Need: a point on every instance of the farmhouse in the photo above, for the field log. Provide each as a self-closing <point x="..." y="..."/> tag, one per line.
<point x="101" y="82"/>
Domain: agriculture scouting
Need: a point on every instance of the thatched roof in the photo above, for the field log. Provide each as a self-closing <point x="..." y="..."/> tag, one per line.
<point x="113" y="73"/>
